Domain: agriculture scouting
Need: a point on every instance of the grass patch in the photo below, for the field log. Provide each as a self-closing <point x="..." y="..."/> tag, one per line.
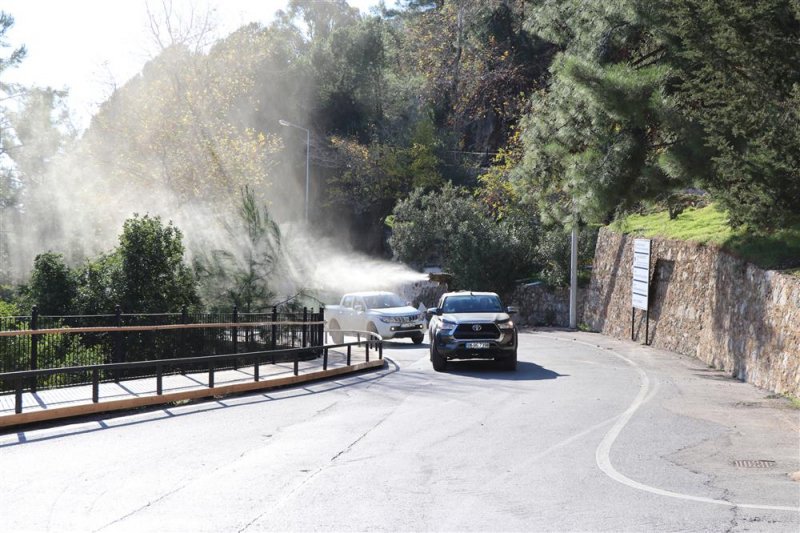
<point x="794" y="400"/>
<point x="709" y="225"/>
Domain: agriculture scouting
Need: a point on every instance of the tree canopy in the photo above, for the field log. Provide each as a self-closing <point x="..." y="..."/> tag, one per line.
<point x="505" y="119"/>
<point x="650" y="98"/>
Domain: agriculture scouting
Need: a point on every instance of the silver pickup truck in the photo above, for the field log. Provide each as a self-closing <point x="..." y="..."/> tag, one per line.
<point x="384" y="313"/>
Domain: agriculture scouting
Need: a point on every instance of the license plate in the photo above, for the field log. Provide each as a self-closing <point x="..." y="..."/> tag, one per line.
<point x="477" y="345"/>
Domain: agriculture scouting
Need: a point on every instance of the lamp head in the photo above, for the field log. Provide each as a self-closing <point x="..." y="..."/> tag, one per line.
<point x="283" y="122"/>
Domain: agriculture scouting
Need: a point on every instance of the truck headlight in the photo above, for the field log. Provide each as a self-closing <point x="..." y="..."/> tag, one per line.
<point x="507" y="325"/>
<point x="447" y="327"/>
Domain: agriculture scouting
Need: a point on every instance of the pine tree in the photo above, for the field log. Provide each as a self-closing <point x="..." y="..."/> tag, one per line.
<point x="598" y="139"/>
<point x="736" y="74"/>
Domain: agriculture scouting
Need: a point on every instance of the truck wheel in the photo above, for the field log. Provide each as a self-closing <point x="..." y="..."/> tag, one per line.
<point x="438" y="360"/>
<point x="509" y="363"/>
<point x="336" y="335"/>
<point x="417" y="339"/>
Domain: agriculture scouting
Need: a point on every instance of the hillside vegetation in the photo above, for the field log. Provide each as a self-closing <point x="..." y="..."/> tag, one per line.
<point x="711" y="225"/>
<point x="469" y="134"/>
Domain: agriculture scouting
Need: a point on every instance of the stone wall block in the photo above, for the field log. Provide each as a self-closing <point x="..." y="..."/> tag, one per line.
<point x="705" y="303"/>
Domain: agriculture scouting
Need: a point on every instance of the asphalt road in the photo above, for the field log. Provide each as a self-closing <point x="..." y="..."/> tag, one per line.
<point x="590" y="434"/>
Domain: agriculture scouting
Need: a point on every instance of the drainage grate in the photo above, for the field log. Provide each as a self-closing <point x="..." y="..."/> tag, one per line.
<point x="754" y="463"/>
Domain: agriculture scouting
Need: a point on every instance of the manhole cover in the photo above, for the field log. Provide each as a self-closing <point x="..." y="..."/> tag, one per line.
<point x="754" y="463"/>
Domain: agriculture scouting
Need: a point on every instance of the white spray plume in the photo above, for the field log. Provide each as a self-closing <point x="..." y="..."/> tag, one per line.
<point x="326" y="265"/>
<point x="78" y="207"/>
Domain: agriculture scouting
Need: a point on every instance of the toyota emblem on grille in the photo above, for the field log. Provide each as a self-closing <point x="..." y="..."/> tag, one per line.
<point x="476" y="327"/>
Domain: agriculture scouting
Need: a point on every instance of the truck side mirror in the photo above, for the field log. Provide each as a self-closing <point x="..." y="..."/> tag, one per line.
<point x="512" y="310"/>
<point x="433" y="311"/>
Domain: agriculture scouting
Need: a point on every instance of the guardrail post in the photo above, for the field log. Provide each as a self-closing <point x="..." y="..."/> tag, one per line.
<point x="380" y="350"/>
<point x="95" y="385"/>
<point x="324" y="359"/>
<point x="321" y="327"/>
<point x="274" y="329"/>
<point x="210" y="374"/>
<point x="235" y="330"/>
<point x="305" y="326"/>
<point x="184" y="337"/>
<point x="235" y="336"/>
<point x="313" y="329"/>
<point x="349" y="347"/>
<point x="159" y="380"/>
<point x="256" y="367"/>
<point x="366" y="345"/>
<point x="34" y="345"/>
<point x="296" y="363"/>
<point x="316" y="340"/>
<point x="18" y="397"/>
<point x="118" y="350"/>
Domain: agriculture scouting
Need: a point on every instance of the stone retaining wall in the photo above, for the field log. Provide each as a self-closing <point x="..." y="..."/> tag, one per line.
<point x="704" y="303"/>
<point x="540" y="305"/>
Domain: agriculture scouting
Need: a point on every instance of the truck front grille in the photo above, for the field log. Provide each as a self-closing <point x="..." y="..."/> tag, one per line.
<point x="477" y="331"/>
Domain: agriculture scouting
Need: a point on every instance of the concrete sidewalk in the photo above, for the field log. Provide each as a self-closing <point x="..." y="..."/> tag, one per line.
<point x="76" y="400"/>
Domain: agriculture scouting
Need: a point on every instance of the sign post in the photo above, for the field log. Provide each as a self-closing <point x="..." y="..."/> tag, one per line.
<point x="640" y="290"/>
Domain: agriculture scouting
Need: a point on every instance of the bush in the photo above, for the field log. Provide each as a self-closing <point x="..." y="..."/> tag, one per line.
<point x="152" y="276"/>
<point x="52" y="287"/>
<point x="450" y="228"/>
<point x="553" y="254"/>
<point x="146" y="273"/>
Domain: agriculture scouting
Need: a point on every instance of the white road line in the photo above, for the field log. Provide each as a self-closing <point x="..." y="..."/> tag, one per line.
<point x="602" y="455"/>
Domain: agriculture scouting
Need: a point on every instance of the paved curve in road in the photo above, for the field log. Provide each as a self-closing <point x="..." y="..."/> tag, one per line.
<point x="589" y="434"/>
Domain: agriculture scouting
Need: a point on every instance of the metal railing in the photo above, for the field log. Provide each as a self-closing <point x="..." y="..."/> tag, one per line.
<point x="41" y="342"/>
<point x="159" y="368"/>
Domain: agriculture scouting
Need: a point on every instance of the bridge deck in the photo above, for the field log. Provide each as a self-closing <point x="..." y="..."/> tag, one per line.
<point x="141" y="388"/>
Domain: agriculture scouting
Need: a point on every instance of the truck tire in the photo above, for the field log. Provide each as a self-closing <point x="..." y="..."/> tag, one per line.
<point x="417" y="339"/>
<point x="438" y="361"/>
<point x="336" y="334"/>
<point x="509" y="363"/>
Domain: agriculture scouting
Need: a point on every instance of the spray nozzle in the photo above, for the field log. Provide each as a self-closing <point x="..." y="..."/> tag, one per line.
<point x="442" y="278"/>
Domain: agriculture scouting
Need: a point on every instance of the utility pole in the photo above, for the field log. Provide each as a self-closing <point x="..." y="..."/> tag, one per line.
<point x="308" y="153"/>
<point x="573" y="278"/>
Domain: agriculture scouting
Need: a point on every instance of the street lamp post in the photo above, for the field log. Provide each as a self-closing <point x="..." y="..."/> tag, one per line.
<point x="573" y="278"/>
<point x="308" y="152"/>
<point x="573" y="270"/>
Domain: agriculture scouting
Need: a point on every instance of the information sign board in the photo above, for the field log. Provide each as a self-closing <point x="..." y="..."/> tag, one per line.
<point x="640" y="289"/>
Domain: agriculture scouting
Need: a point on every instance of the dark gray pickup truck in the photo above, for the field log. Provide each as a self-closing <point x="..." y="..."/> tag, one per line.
<point x="472" y="325"/>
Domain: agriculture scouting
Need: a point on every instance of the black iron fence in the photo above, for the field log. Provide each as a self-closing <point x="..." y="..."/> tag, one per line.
<point x="159" y="368"/>
<point x="36" y="342"/>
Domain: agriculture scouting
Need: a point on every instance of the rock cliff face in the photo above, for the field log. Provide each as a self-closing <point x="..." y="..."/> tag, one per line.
<point x="705" y="303"/>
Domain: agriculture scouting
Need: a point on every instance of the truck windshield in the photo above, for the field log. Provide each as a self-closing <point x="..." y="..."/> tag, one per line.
<point x="383" y="301"/>
<point x="469" y="303"/>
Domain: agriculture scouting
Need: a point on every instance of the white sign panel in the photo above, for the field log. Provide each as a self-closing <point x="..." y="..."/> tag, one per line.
<point x="641" y="246"/>
<point x="641" y="274"/>
<point x="640" y="301"/>
<point x="641" y="260"/>
<point x="640" y="288"/>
